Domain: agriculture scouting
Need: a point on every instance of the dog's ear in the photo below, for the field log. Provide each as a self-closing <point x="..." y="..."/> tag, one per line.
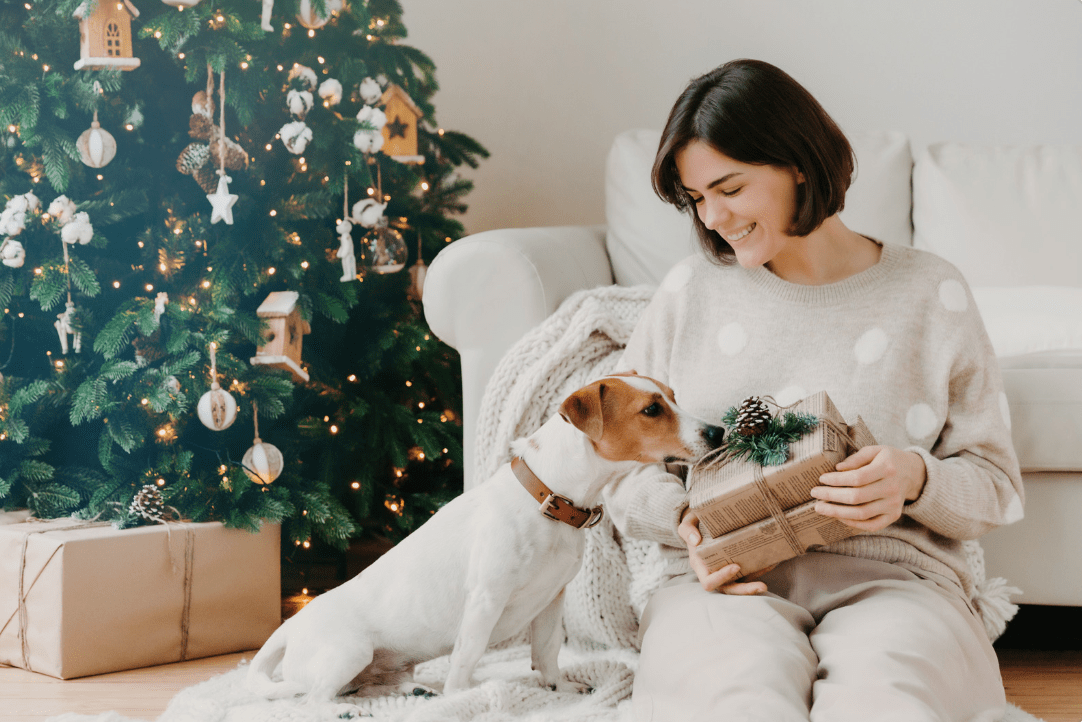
<point x="583" y="409"/>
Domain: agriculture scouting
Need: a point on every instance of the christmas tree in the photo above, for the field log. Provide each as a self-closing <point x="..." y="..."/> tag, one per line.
<point x="196" y="192"/>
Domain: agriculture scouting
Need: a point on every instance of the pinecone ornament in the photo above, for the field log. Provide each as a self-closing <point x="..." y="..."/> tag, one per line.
<point x="752" y="417"/>
<point x="148" y="504"/>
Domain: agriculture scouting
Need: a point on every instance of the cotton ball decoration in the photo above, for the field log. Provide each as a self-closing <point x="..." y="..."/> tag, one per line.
<point x="367" y="212"/>
<point x="304" y="73"/>
<point x="12" y="253"/>
<point x="217" y="408"/>
<point x="12" y="221"/>
<point x="28" y="201"/>
<point x="299" y="102"/>
<point x="370" y="91"/>
<point x="331" y="91"/>
<point x="77" y="230"/>
<point x="370" y="117"/>
<point x="295" y="136"/>
<point x="263" y="462"/>
<point x="62" y="209"/>
<point x="369" y="137"/>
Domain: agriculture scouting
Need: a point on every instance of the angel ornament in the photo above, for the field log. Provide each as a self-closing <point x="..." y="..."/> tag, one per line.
<point x="63" y="328"/>
<point x="345" y="251"/>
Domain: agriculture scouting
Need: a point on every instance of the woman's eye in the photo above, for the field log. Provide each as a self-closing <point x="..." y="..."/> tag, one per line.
<point x="652" y="410"/>
<point x="733" y="192"/>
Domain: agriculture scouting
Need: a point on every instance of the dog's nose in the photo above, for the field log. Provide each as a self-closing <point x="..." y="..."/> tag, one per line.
<point x="714" y="436"/>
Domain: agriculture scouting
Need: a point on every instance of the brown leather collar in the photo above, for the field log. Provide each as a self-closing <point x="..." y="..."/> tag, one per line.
<point x="553" y="505"/>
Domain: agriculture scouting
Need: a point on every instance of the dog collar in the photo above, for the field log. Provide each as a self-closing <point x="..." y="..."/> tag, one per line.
<point x="553" y="505"/>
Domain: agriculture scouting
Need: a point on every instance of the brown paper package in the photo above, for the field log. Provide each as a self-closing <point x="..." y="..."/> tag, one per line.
<point x="734" y="510"/>
<point x="101" y="600"/>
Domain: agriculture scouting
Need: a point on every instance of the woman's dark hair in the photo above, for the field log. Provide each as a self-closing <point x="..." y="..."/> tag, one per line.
<point x="755" y="113"/>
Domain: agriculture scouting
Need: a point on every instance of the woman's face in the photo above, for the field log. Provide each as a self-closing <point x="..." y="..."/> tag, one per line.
<point x="750" y="206"/>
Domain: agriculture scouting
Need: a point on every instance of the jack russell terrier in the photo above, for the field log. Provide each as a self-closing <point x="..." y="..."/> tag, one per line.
<point x="490" y="562"/>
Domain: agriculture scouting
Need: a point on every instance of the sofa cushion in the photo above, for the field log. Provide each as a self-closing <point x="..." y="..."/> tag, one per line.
<point x="646" y="236"/>
<point x="1004" y="215"/>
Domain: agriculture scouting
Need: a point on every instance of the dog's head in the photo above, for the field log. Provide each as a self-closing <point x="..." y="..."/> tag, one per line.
<point x="629" y="417"/>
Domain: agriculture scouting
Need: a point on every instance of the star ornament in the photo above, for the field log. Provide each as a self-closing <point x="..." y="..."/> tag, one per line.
<point x="222" y="202"/>
<point x="398" y="128"/>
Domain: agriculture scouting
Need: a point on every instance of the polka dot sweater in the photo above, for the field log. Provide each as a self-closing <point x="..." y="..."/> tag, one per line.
<point x="900" y="344"/>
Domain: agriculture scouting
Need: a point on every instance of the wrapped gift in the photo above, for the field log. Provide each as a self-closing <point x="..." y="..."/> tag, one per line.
<point x="755" y="515"/>
<point x="78" y="599"/>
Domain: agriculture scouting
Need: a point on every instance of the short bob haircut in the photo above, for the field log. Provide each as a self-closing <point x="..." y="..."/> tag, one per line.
<point x="755" y="113"/>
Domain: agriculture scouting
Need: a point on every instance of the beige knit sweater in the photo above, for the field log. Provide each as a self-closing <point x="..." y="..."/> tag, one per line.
<point x="901" y="344"/>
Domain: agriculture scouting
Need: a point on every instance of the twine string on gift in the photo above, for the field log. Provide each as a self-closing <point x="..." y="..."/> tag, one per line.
<point x="186" y="612"/>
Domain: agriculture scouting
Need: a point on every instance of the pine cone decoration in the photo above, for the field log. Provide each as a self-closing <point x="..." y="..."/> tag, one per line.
<point x="148" y="504"/>
<point x="752" y="417"/>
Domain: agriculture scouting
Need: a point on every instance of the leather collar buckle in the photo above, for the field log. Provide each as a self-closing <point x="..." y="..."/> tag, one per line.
<point x="552" y="505"/>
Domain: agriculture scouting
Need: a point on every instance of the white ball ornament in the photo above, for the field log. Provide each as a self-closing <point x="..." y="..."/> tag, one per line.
<point x="263" y="462"/>
<point x="97" y="146"/>
<point x="217" y="408"/>
<point x="313" y="20"/>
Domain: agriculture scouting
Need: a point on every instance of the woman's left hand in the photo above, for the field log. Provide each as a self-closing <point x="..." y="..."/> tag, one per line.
<point x="869" y="489"/>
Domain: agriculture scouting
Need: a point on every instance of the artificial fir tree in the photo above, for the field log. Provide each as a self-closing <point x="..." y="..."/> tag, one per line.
<point x="169" y="249"/>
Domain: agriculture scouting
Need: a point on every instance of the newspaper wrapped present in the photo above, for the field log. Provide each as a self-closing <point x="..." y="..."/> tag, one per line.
<point x="78" y="599"/>
<point x="757" y="516"/>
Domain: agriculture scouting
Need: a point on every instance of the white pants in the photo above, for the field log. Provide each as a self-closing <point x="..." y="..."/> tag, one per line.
<point x="835" y="638"/>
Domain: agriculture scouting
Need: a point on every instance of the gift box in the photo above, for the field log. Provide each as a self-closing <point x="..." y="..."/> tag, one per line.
<point x="756" y="516"/>
<point x="78" y="599"/>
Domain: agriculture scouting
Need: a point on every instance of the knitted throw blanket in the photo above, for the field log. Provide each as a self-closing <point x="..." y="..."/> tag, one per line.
<point x="581" y="341"/>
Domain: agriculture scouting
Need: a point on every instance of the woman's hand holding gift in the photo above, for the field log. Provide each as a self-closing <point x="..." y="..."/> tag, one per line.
<point x="869" y="489"/>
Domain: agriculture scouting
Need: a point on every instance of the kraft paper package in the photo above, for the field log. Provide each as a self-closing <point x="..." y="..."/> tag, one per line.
<point x="757" y="516"/>
<point x="97" y="599"/>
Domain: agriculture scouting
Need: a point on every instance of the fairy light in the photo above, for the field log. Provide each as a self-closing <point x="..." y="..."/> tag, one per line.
<point x="149" y="287"/>
<point x="206" y="284"/>
<point x="271" y="271"/>
<point x="409" y="383"/>
<point x="306" y="544"/>
<point x="424" y="185"/>
<point x="334" y="429"/>
<point x="180" y="55"/>
<point x="304" y="264"/>
<point x="269" y="146"/>
<point x="100" y="177"/>
<point x="116" y="284"/>
<point x="356" y="485"/>
<point x="244" y="66"/>
<point x="353" y="377"/>
<point x="420" y="404"/>
<point x="320" y="60"/>
<point x="144" y="402"/>
<point x="311" y="33"/>
<point x="129" y="126"/>
<point x="157" y="33"/>
<point x="161" y="482"/>
<point x="273" y="212"/>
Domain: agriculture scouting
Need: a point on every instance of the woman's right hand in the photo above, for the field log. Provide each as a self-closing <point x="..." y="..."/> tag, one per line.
<point x="724" y="580"/>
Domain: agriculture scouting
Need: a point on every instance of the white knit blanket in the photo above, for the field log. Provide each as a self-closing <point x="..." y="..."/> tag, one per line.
<point x="580" y="342"/>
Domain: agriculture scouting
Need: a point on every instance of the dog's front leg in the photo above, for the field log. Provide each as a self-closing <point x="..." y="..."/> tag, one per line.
<point x="546" y="638"/>
<point x="484" y="605"/>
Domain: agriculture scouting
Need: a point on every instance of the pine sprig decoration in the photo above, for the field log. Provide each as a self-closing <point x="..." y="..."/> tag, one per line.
<point x="769" y="447"/>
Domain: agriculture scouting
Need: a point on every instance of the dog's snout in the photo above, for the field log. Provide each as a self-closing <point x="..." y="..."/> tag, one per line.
<point x="714" y="435"/>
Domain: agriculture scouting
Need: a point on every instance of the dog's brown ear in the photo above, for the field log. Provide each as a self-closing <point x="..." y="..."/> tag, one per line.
<point x="583" y="409"/>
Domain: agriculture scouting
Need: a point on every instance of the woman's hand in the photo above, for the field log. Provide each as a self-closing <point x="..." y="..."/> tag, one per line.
<point x="869" y="489"/>
<point x="724" y="579"/>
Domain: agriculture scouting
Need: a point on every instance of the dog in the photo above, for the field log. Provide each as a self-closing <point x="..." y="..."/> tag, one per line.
<point x="490" y="562"/>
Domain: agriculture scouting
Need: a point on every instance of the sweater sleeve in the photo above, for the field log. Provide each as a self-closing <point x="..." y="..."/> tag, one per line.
<point x="974" y="483"/>
<point x="648" y="503"/>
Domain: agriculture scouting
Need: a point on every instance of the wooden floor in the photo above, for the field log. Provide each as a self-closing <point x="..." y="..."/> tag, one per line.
<point x="1047" y="684"/>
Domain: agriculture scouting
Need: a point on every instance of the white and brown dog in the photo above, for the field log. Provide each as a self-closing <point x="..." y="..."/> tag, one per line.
<point x="490" y="562"/>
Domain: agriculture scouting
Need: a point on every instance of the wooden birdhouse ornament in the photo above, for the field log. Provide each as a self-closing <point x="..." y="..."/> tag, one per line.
<point x="400" y="132"/>
<point x="105" y="35"/>
<point x="282" y="349"/>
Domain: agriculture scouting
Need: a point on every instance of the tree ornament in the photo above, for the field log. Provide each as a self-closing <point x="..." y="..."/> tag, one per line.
<point x="367" y="212"/>
<point x="97" y="146"/>
<point x="400" y="132"/>
<point x="383" y="250"/>
<point x="284" y="338"/>
<point x="331" y="91"/>
<point x="63" y="328"/>
<point x="295" y="136"/>
<point x="418" y="271"/>
<point x="182" y="3"/>
<point x="263" y="462"/>
<point x="752" y="416"/>
<point x="222" y="201"/>
<point x="198" y="159"/>
<point x="105" y="35"/>
<point x="369" y="137"/>
<point x="311" y="19"/>
<point x="370" y="91"/>
<point x="148" y="504"/>
<point x="265" y="16"/>
<point x="217" y="408"/>
<point x="345" y="240"/>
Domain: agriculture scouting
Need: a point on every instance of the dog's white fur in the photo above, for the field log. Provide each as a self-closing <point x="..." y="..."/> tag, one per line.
<point x="486" y="565"/>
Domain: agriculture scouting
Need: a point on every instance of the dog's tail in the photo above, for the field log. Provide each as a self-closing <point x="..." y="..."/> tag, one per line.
<point x="263" y="665"/>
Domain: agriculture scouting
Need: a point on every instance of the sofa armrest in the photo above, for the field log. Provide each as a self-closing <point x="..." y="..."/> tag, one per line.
<point x="484" y="292"/>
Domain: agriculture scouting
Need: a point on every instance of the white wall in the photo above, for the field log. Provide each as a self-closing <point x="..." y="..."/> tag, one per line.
<point x="546" y="84"/>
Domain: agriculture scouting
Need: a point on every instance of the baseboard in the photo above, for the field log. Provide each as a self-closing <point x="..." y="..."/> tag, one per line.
<point x="1040" y="626"/>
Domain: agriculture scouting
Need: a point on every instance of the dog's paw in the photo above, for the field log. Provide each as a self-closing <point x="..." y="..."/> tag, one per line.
<point x="413" y="689"/>
<point x="568" y="686"/>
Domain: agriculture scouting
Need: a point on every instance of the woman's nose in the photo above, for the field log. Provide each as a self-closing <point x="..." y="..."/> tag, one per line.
<point x="713" y="213"/>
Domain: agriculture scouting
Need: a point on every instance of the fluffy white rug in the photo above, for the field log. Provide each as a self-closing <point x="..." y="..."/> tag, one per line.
<point x="506" y="690"/>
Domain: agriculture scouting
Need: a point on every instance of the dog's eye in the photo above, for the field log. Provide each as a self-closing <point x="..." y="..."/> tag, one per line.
<point x="653" y="409"/>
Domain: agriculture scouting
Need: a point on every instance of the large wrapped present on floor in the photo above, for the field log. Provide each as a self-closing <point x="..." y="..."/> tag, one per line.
<point x="757" y="515"/>
<point x="78" y="599"/>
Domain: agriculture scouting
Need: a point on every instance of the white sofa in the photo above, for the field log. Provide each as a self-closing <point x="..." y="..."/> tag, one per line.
<point x="1009" y="217"/>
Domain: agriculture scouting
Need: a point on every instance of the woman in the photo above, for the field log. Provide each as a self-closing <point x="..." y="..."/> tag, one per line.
<point x="787" y="302"/>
